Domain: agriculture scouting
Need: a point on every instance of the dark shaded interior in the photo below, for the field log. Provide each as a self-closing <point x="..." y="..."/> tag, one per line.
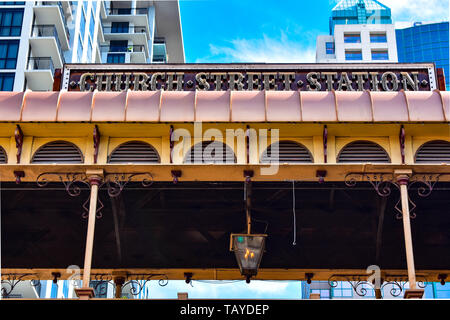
<point x="188" y="225"/>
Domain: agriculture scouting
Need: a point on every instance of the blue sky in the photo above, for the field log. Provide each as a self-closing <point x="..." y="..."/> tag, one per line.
<point x="274" y="31"/>
<point x="227" y="289"/>
<point x="222" y="31"/>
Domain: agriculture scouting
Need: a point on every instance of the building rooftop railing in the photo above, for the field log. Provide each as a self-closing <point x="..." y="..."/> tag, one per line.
<point x="40" y="63"/>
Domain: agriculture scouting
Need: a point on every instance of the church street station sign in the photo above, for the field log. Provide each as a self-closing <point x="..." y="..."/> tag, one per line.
<point x="248" y="77"/>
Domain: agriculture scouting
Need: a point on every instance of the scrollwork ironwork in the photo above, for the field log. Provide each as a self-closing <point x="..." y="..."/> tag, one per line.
<point x="11" y="281"/>
<point x="100" y="280"/>
<point x="382" y="183"/>
<point x="140" y="280"/>
<point x="74" y="182"/>
<point x="396" y="283"/>
<point x="116" y="182"/>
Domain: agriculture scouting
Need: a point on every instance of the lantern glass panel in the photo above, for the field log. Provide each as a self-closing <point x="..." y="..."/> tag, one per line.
<point x="248" y="250"/>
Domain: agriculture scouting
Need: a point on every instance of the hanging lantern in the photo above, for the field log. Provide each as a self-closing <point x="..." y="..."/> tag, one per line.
<point x="248" y="249"/>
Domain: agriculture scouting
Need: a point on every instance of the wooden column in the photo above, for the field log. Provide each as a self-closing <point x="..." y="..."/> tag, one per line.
<point x="95" y="178"/>
<point x="403" y="182"/>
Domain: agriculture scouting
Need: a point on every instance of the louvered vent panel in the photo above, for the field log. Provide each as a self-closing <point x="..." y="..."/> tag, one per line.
<point x="434" y="152"/>
<point x="288" y="152"/>
<point x="207" y="153"/>
<point x="363" y="151"/>
<point x="134" y="152"/>
<point x="3" y="158"/>
<point x="58" y="152"/>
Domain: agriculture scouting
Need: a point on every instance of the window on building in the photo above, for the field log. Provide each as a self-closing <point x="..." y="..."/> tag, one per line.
<point x="119" y="27"/>
<point x="65" y="289"/>
<point x="342" y="290"/>
<point x="82" y="23"/>
<point x="89" y="50"/>
<point x="380" y="55"/>
<point x="80" y="49"/>
<point x="352" y="38"/>
<point x="54" y="291"/>
<point x="116" y="58"/>
<point x="8" y="54"/>
<point x="441" y="291"/>
<point x="94" y="6"/>
<point x="329" y="46"/>
<point x="11" y="22"/>
<point x="92" y="25"/>
<point x="118" y="46"/>
<point x="6" y="81"/>
<point x="353" y="55"/>
<point x="378" y="37"/>
<point x="12" y="3"/>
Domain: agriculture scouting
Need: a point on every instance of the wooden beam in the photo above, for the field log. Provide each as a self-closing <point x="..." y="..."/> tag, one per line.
<point x="225" y="273"/>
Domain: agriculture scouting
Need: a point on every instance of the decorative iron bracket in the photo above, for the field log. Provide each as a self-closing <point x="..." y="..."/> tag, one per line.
<point x="114" y="183"/>
<point x="136" y="281"/>
<point x="10" y="281"/>
<point x="382" y="183"/>
<point x="360" y="281"/>
<point x="96" y="137"/>
<point x="18" y="135"/>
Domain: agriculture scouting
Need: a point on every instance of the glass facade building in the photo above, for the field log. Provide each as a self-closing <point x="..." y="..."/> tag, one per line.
<point x="346" y="290"/>
<point x="425" y="43"/>
<point x="359" y="12"/>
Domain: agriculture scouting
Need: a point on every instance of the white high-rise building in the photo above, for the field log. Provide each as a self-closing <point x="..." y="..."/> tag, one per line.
<point x="38" y="37"/>
<point x="360" y="31"/>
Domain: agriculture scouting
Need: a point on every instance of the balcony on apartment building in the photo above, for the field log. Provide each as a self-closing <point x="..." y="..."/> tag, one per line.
<point x="39" y="73"/>
<point x="123" y="53"/>
<point x="45" y="42"/>
<point x="54" y="13"/>
<point x="124" y="34"/>
<point x="45" y="55"/>
<point x="159" y="50"/>
<point x="122" y="12"/>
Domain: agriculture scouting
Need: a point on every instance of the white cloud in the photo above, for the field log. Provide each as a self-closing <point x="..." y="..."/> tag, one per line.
<point x="269" y="50"/>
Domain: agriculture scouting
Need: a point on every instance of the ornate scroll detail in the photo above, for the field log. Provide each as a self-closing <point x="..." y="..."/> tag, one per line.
<point x="116" y="182"/>
<point x="395" y="283"/>
<point x="382" y="183"/>
<point x="356" y="281"/>
<point x="139" y="282"/>
<point x="102" y="281"/>
<point x="74" y="182"/>
<point x="136" y="282"/>
<point x="11" y="281"/>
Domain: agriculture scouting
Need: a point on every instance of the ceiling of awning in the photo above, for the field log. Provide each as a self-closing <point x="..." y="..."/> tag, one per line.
<point x="188" y="225"/>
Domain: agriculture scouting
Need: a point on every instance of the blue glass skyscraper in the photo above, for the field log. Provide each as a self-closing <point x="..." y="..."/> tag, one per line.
<point x="359" y="12"/>
<point x="425" y="43"/>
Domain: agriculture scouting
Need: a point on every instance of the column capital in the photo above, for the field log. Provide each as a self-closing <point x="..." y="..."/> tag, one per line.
<point x="95" y="176"/>
<point x="402" y="176"/>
